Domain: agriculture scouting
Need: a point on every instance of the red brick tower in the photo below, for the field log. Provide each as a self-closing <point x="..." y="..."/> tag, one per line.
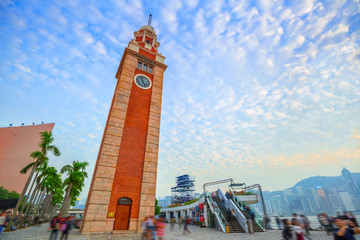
<point x="123" y="186"/>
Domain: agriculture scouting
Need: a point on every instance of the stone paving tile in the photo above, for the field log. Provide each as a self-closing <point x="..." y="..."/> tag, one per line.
<point x="197" y="233"/>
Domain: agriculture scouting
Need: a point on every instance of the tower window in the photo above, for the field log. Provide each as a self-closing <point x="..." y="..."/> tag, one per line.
<point x="145" y="67"/>
<point x="147" y="41"/>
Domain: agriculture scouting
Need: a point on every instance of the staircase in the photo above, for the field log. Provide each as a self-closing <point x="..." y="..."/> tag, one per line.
<point x="256" y="227"/>
<point x="231" y="221"/>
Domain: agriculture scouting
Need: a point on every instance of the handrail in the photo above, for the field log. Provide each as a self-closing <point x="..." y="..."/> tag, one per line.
<point x="258" y="219"/>
<point x="216" y="210"/>
<point x="217" y="182"/>
<point x="239" y="216"/>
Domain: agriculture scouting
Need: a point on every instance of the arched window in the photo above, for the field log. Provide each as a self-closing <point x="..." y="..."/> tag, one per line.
<point x="124" y="201"/>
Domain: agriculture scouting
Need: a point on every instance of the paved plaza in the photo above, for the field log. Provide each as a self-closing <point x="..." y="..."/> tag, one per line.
<point x="40" y="233"/>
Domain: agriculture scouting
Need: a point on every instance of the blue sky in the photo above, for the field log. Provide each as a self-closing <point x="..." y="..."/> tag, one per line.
<point x="267" y="92"/>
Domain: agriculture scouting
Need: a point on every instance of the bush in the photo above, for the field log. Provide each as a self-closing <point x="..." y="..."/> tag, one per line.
<point x="5" y="194"/>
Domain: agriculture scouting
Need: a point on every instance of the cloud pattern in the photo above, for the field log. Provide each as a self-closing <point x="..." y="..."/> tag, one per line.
<point x="264" y="92"/>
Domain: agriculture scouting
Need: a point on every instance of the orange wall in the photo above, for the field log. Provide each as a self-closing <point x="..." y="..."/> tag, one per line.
<point x="16" y="144"/>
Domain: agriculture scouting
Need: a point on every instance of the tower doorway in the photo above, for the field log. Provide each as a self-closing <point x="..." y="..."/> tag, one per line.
<point x="122" y="215"/>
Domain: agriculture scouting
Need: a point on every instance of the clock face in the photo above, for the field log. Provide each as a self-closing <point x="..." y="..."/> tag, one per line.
<point x="142" y="81"/>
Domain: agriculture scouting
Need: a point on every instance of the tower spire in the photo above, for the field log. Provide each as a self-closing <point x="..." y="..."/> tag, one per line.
<point x="149" y="21"/>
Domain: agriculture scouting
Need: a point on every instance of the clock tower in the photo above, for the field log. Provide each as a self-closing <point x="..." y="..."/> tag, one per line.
<point x="122" y="191"/>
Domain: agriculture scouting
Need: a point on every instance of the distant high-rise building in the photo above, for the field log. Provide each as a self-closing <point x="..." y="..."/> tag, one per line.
<point x="82" y="203"/>
<point x="164" y="201"/>
<point x="324" y="200"/>
<point x="334" y="201"/>
<point x="347" y="201"/>
<point x="313" y="198"/>
<point x="268" y="207"/>
<point x="299" y="190"/>
<point x="275" y="202"/>
<point x="76" y="206"/>
<point x="353" y="188"/>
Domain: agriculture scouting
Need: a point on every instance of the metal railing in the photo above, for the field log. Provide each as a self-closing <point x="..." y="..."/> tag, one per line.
<point x="231" y="206"/>
<point x="257" y="218"/>
<point x="216" y="210"/>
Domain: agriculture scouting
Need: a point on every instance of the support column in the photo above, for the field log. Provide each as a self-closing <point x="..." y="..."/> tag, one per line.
<point x="205" y="215"/>
<point x="176" y="216"/>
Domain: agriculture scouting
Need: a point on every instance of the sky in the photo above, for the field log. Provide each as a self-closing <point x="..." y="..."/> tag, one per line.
<point x="264" y="92"/>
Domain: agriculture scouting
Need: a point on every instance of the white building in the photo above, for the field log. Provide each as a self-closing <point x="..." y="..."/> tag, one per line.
<point x="347" y="201"/>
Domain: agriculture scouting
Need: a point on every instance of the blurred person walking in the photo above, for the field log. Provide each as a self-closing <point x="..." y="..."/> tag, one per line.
<point x="345" y="230"/>
<point x="267" y="221"/>
<point x="353" y="219"/>
<point x="301" y="222"/>
<point x="180" y="222"/>
<point x="66" y="227"/>
<point x="326" y="221"/>
<point x="299" y="232"/>
<point x="278" y="221"/>
<point x="160" y="229"/>
<point x="186" y="223"/>
<point x="287" y="231"/>
<point x="306" y="223"/>
<point x="54" y="227"/>
<point x="172" y="223"/>
<point x="150" y="228"/>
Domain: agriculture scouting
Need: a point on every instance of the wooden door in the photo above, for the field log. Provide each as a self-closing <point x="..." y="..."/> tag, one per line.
<point x="122" y="214"/>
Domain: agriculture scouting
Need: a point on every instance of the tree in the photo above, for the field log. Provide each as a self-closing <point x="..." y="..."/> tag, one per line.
<point x="46" y="140"/>
<point x="5" y="194"/>
<point x="157" y="207"/>
<point x="74" y="182"/>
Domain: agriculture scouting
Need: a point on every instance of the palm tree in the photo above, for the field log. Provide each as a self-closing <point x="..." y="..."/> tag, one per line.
<point x="46" y="146"/>
<point x="51" y="183"/>
<point x="75" y="181"/>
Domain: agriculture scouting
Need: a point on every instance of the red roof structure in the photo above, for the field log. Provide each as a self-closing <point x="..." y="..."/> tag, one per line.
<point x="16" y="144"/>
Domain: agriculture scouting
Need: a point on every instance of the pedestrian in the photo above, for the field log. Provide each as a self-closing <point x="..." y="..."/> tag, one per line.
<point x="345" y="230"/>
<point x="326" y="221"/>
<point x="306" y="224"/>
<point x="160" y="229"/>
<point x="338" y="215"/>
<point x="353" y="219"/>
<point x="66" y="227"/>
<point x="267" y="221"/>
<point x="172" y="223"/>
<point x="186" y="223"/>
<point x="299" y="232"/>
<point x="287" y="232"/>
<point x="54" y="227"/>
<point x="180" y="222"/>
<point x="278" y="221"/>
<point x="150" y="228"/>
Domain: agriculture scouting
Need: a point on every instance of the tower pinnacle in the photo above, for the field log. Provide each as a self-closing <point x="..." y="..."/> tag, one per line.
<point x="149" y="21"/>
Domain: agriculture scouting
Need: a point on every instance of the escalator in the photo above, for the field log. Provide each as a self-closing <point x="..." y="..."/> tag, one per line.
<point x="255" y="225"/>
<point x="231" y="221"/>
<point x="257" y="221"/>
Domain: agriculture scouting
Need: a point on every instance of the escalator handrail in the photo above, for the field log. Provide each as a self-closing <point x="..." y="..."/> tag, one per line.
<point x="217" y="213"/>
<point x="239" y="216"/>
<point x="258" y="219"/>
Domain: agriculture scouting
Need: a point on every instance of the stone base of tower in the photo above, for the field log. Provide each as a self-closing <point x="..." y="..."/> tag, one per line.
<point x="107" y="227"/>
